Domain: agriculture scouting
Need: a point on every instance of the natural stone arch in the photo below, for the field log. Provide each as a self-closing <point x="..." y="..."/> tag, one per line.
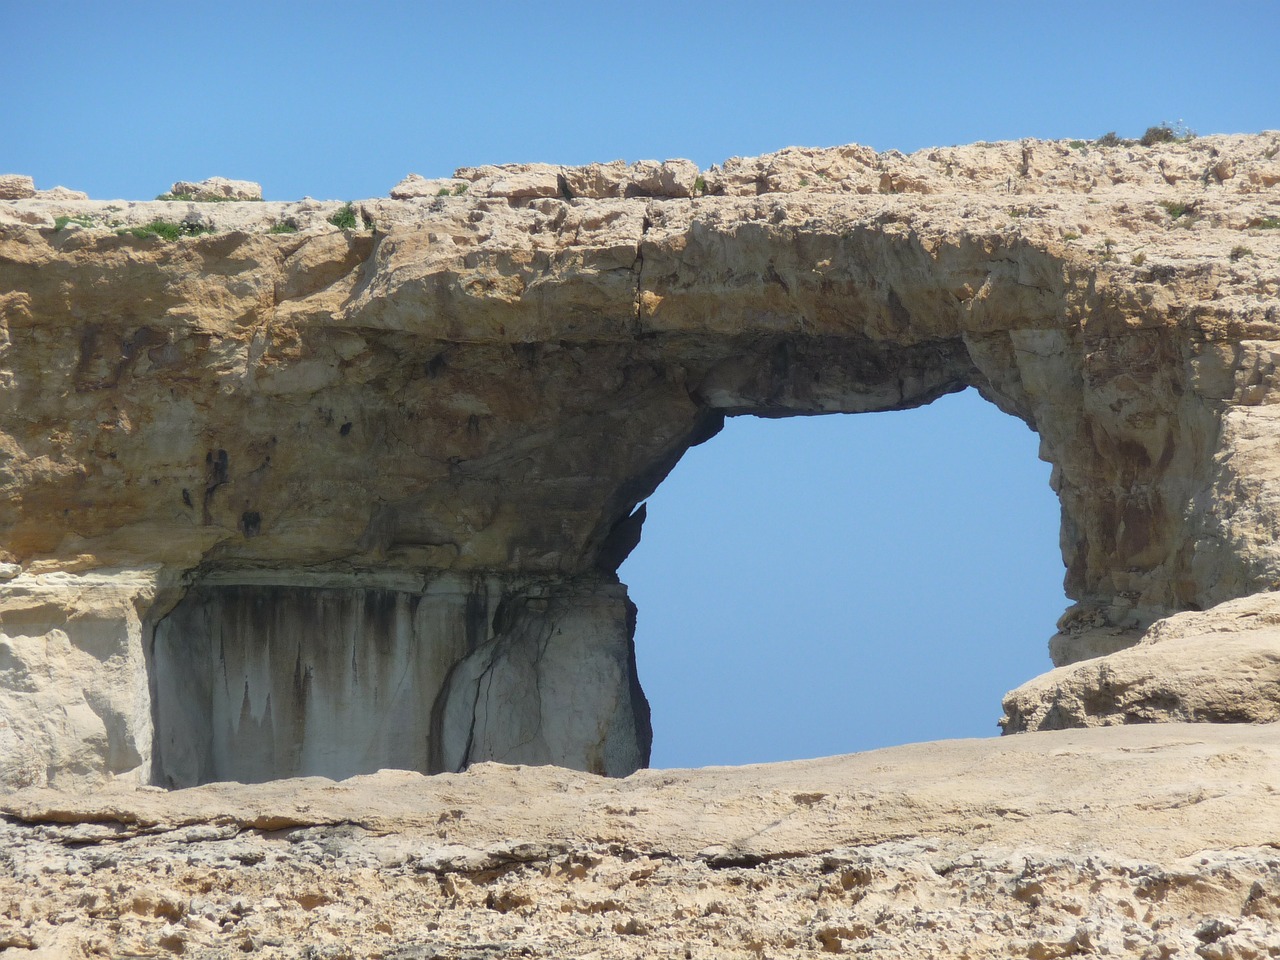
<point x="460" y="411"/>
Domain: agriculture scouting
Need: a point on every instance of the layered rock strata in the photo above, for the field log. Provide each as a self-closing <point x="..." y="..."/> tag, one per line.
<point x="305" y="464"/>
<point x="1153" y="841"/>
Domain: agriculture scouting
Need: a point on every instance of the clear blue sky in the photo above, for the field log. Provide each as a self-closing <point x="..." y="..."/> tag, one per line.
<point x="341" y="100"/>
<point x="821" y="585"/>
<point x="805" y="587"/>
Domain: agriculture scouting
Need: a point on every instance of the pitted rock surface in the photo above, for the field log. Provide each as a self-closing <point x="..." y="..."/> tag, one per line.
<point x="458" y="405"/>
<point x="1146" y="841"/>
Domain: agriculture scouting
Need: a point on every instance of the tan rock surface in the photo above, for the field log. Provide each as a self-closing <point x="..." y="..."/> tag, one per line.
<point x="218" y="188"/>
<point x="61" y="193"/>
<point x="14" y="186"/>
<point x="1143" y="841"/>
<point x="415" y="187"/>
<point x="479" y="389"/>
<point x="73" y="695"/>
<point x="1220" y="666"/>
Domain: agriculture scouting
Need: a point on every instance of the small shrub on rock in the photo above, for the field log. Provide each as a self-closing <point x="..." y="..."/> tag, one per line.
<point x="166" y="230"/>
<point x="1166" y="133"/>
<point x="83" y="220"/>
<point x="1176" y="209"/>
<point x="345" y="218"/>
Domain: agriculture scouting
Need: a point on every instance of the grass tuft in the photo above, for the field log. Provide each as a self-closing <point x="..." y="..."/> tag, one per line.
<point x="345" y="218"/>
<point x="60" y="223"/>
<point x="165" y="230"/>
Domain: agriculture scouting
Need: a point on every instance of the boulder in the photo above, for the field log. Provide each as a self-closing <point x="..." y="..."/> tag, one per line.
<point x="14" y="186"/>
<point x="597" y="181"/>
<point x="522" y="182"/>
<point x="672" y="178"/>
<point x="217" y="188"/>
<point x="1217" y="666"/>
<point x="414" y="187"/>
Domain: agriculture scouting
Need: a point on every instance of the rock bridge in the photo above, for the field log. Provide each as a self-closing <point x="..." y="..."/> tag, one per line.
<point x="288" y="499"/>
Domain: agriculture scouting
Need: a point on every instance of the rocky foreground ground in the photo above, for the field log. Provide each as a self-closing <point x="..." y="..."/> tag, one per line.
<point x="1146" y="841"/>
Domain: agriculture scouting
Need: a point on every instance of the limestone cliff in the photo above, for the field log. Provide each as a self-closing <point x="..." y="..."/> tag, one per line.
<point x="357" y="495"/>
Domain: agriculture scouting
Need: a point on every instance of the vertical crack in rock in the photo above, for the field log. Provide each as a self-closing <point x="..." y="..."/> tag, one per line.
<point x="486" y="680"/>
<point x="638" y="268"/>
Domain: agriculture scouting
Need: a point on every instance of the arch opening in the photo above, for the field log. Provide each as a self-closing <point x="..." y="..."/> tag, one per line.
<point x="837" y="583"/>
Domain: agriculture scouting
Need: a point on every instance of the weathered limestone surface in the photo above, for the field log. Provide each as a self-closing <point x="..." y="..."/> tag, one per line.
<point x="1220" y="666"/>
<point x="469" y="400"/>
<point x="257" y="680"/>
<point x="14" y="186"/>
<point x="217" y="188"/>
<point x="74" y="703"/>
<point x="1148" y="841"/>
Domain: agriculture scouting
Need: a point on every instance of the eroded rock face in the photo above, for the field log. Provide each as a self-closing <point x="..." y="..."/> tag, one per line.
<point x="74" y="703"/>
<point x="1220" y="666"/>
<point x="258" y="681"/>
<point x="483" y="386"/>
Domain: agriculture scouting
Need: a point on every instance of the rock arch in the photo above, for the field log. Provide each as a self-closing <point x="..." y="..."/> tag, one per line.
<point x="433" y="437"/>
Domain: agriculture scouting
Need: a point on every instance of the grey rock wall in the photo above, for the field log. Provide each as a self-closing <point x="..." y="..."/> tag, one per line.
<point x="256" y="681"/>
